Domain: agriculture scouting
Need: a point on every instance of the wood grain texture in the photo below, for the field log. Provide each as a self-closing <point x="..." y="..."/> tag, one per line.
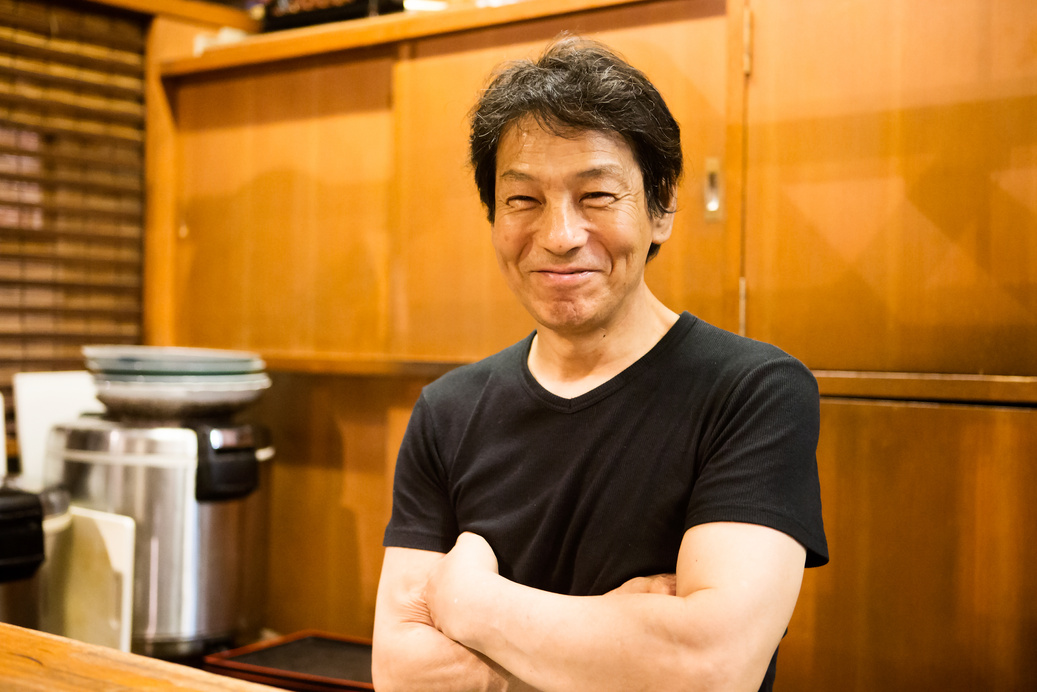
<point x="891" y="211"/>
<point x="929" y="511"/>
<point x="161" y="178"/>
<point x="285" y="207"/>
<point x="460" y="16"/>
<point x="327" y="212"/>
<point x="451" y="301"/>
<point x="197" y="11"/>
<point x="330" y="495"/>
<point x="32" y="661"/>
<point x="980" y="389"/>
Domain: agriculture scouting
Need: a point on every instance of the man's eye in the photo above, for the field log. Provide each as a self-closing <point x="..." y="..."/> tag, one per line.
<point x="520" y="201"/>
<point x="599" y="199"/>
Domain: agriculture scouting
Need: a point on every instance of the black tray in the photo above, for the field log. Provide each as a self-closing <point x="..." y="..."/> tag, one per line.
<point x="307" y="661"/>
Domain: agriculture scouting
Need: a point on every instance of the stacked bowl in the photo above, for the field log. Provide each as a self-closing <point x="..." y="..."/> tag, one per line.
<point x="158" y="382"/>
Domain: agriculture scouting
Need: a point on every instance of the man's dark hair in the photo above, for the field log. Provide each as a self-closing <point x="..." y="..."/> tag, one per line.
<point x="579" y="85"/>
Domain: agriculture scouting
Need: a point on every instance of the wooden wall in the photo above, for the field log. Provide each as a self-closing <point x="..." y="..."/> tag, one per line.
<point x="930" y="512"/>
<point x="327" y="206"/>
<point x="284" y="239"/>
<point x="881" y="176"/>
<point x="329" y="495"/>
<point x="324" y="214"/>
<point x="890" y="227"/>
<point x="891" y="205"/>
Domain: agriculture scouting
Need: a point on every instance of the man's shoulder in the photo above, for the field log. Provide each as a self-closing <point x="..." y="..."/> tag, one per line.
<point x="725" y="353"/>
<point x="465" y="382"/>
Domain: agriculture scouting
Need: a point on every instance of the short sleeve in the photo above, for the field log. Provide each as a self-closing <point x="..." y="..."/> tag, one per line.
<point x="422" y="514"/>
<point x="759" y="465"/>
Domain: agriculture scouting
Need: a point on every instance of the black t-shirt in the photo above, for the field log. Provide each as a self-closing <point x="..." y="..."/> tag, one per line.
<point x="576" y="496"/>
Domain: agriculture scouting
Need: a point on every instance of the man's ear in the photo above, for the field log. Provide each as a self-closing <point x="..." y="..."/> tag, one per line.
<point x="662" y="225"/>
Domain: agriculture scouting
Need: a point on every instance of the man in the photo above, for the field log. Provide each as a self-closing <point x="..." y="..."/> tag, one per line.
<point x="625" y="499"/>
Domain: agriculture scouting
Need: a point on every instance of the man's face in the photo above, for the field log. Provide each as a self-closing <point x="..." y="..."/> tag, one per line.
<point x="571" y="228"/>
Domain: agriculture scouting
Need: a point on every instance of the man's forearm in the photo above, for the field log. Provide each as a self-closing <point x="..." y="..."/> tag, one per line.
<point x="566" y="643"/>
<point x="409" y="652"/>
<point x="419" y="657"/>
<point x="717" y="633"/>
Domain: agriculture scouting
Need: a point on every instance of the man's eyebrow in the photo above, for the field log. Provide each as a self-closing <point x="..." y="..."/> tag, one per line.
<point x="512" y="174"/>
<point x="605" y="171"/>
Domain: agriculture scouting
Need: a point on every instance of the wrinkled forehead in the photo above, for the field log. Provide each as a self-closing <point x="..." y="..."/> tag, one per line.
<point x="527" y="138"/>
<point x="548" y="124"/>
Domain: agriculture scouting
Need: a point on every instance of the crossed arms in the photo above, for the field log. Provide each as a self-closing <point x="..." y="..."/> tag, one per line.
<point x="451" y="622"/>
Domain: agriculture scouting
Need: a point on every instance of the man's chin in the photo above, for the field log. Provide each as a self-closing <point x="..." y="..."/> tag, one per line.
<point x="565" y="318"/>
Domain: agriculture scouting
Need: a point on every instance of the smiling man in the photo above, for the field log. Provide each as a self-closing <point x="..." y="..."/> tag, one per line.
<point x="627" y="498"/>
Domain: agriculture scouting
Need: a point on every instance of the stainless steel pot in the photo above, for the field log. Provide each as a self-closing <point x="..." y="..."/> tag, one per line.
<point x="191" y="489"/>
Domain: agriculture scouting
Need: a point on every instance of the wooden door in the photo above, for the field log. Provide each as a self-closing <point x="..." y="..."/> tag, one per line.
<point x="285" y="206"/>
<point x="891" y="184"/>
<point x="449" y="299"/>
<point x="930" y="512"/>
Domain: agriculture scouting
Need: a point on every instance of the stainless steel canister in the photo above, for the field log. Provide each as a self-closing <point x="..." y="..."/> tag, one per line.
<point x="191" y="492"/>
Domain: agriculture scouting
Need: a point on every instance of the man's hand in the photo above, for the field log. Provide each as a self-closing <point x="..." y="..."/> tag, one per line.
<point x="455" y="578"/>
<point x="665" y="584"/>
<point x="409" y="652"/>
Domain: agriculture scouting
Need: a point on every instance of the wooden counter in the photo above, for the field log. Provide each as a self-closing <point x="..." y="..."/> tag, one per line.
<point x="31" y="660"/>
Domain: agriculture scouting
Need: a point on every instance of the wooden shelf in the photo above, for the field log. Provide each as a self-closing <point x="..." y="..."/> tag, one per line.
<point x="194" y="10"/>
<point x="897" y="386"/>
<point x="936" y="387"/>
<point x="363" y="33"/>
<point x="352" y="364"/>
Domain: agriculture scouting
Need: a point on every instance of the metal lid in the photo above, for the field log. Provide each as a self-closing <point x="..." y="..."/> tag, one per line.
<point x="98" y="440"/>
<point x="94" y="440"/>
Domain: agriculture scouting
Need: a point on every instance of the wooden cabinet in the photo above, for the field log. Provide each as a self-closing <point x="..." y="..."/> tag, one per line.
<point x="283" y="235"/>
<point x="891" y="184"/>
<point x="326" y="211"/>
<point x="311" y="201"/>
<point x="890" y="216"/>
<point x="451" y="299"/>
<point x="929" y="511"/>
<point x="323" y="214"/>
<point x="878" y="159"/>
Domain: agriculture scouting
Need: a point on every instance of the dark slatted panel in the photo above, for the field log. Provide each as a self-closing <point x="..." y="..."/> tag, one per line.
<point x="71" y="184"/>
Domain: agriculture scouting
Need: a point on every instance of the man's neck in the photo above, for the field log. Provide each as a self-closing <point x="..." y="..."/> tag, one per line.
<point x="569" y="365"/>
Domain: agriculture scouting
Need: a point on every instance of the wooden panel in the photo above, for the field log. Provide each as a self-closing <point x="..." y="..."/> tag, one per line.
<point x="891" y="212"/>
<point x="451" y="301"/>
<point x="976" y="389"/>
<point x="930" y="512"/>
<point x="285" y="206"/>
<point x="200" y="11"/>
<point x="330" y="496"/>
<point x="165" y="37"/>
<point x="460" y="15"/>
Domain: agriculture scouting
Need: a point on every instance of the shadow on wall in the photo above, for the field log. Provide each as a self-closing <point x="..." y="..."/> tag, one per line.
<point x="330" y="495"/>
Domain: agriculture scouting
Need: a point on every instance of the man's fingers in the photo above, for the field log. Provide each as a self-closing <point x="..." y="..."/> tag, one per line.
<point x="665" y="584"/>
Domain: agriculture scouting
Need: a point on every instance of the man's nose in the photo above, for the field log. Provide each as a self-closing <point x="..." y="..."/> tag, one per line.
<point x="561" y="227"/>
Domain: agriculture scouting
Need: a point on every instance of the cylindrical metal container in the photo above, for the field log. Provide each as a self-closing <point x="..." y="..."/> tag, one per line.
<point x="191" y="492"/>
